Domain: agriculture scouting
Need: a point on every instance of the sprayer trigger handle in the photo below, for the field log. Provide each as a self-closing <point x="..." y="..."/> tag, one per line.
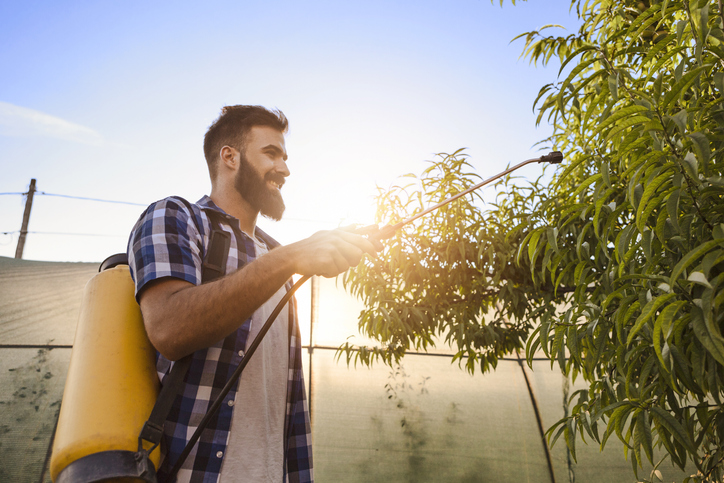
<point x="367" y="230"/>
<point x="387" y="231"/>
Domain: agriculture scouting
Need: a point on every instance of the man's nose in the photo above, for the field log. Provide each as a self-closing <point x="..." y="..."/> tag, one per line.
<point x="282" y="168"/>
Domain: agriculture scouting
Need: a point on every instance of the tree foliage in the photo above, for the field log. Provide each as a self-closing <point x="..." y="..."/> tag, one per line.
<point x="614" y="269"/>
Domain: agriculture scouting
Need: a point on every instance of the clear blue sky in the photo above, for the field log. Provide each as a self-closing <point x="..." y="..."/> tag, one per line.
<point x="111" y="100"/>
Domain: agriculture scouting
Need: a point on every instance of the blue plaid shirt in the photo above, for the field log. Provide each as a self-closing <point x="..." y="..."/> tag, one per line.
<point x="169" y="240"/>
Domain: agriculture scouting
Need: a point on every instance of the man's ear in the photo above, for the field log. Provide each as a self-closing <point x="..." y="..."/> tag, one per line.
<point x="229" y="157"/>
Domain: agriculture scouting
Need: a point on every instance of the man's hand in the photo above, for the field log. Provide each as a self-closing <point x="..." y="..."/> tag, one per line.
<point x="329" y="253"/>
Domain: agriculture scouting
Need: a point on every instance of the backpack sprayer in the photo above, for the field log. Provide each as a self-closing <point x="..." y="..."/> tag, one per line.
<point x="383" y="233"/>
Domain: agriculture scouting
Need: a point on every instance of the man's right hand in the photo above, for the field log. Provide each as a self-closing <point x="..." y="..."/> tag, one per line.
<point x="329" y="253"/>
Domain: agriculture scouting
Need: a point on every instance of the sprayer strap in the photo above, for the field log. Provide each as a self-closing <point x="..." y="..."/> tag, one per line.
<point x="214" y="266"/>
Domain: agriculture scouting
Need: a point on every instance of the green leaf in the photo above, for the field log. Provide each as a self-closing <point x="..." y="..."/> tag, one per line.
<point x="631" y="121"/>
<point x="574" y="73"/>
<point x="578" y="161"/>
<point x="620" y="114"/>
<point x="552" y="235"/>
<point x="690" y="258"/>
<point x="585" y="184"/>
<point x="682" y="85"/>
<point x="667" y="58"/>
<point x="657" y="49"/>
<point x="533" y="245"/>
<point x="680" y="119"/>
<point x="701" y="145"/>
<point x="672" y="208"/>
<point x="719" y="82"/>
<point x="613" y="86"/>
<point x="691" y="166"/>
<point x="643" y="426"/>
<point x="674" y="427"/>
<point x="708" y="335"/>
<point x="649" y="191"/>
<point x="662" y="327"/>
<point x="700" y="278"/>
<point x="648" y="311"/>
<point x="573" y="55"/>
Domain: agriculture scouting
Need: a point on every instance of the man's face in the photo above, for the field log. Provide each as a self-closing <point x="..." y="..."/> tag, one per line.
<point x="262" y="171"/>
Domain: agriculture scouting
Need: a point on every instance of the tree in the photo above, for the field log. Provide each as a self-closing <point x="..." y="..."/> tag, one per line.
<point x="614" y="269"/>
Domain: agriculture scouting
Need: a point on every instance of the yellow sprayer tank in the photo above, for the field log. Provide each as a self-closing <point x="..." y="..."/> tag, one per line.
<point x="111" y="386"/>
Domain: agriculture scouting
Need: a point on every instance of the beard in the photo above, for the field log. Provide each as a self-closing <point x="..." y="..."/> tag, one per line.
<point x="253" y="188"/>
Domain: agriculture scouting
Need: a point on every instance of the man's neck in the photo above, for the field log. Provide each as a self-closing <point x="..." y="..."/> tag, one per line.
<point x="233" y="204"/>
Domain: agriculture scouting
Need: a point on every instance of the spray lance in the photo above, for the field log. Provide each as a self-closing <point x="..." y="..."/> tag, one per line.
<point x="555" y="157"/>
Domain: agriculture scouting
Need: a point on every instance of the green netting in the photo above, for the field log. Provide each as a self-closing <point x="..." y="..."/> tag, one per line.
<point x="424" y="421"/>
<point x="427" y="420"/>
<point x="31" y="388"/>
<point x="592" y="464"/>
<point x="39" y="301"/>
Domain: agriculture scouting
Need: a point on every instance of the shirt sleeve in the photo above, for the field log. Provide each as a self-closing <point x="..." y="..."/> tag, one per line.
<point x="165" y="242"/>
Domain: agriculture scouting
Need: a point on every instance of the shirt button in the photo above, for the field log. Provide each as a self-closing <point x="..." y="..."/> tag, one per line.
<point x="230" y="402"/>
<point x="241" y="353"/>
<point x="219" y="454"/>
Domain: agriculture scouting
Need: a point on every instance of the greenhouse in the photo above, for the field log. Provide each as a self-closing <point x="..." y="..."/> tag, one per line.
<point x="426" y="420"/>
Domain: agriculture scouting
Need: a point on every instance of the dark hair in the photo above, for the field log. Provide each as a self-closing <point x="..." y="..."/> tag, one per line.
<point x="232" y="127"/>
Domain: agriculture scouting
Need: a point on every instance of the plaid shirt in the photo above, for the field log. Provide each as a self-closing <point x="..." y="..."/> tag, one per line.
<point x="169" y="240"/>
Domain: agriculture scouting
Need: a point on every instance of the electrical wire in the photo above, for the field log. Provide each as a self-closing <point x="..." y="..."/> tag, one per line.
<point x="89" y="199"/>
<point x="63" y="233"/>
<point x="45" y="193"/>
<point x="75" y="234"/>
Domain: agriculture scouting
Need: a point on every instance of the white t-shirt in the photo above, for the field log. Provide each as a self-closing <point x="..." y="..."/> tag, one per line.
<point x="255" y="450"/>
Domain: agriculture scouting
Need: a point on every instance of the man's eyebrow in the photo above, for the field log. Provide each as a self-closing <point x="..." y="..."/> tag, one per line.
<point x="276" y="149"/>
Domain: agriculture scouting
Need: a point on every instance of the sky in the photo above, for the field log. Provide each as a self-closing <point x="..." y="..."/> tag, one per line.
<point x="111" y="100"/>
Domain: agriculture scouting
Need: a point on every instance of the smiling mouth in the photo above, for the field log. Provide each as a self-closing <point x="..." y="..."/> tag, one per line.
<point x="275" y="184"/>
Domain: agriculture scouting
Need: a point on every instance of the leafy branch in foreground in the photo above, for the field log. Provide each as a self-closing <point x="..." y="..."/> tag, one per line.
<point x="444" y="278"/>
<point x="614" y="269"/>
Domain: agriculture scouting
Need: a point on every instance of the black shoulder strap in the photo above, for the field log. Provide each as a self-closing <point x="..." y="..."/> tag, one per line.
<point x="214" y="266"/>
<point x="270" y="242"/>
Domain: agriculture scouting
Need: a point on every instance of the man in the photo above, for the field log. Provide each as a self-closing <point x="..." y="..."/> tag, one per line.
<point x="261" y="433"/>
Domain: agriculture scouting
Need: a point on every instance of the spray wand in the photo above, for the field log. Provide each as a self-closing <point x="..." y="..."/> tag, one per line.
<point x="554" y="157"/>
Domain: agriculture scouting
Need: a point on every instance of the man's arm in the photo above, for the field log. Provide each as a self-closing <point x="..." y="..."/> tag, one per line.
<point x="181" y="317"/>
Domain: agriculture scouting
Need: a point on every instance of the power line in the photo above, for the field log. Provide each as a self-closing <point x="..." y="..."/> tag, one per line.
<point x="303" y="220"/>
<point x="91" y="199"/>
<point x="71" y="234"/>
<point x="80" y="198"/>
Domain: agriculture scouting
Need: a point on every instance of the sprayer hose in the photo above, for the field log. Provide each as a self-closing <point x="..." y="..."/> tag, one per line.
<point x="235" y="376"/>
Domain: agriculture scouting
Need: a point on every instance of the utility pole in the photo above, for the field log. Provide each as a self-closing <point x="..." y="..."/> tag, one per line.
<point x="26" y="218"/>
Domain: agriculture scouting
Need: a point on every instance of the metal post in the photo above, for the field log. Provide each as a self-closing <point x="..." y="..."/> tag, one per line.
<point x="26" y="218"/>
<point x="313" y="316"/>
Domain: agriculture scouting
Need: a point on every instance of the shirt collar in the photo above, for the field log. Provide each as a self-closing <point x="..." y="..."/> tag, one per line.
<point x="207" y="203"/>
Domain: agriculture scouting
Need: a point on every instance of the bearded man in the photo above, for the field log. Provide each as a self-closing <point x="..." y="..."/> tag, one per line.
<point x="261" y="433"/>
